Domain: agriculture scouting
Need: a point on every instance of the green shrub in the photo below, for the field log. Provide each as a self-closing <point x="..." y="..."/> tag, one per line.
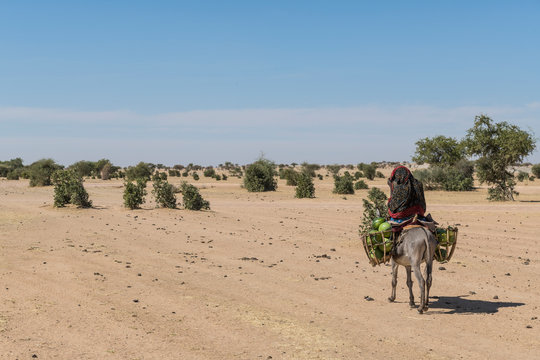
<point x="359" y="185"/>
<point x="305" y="187"/>
<point x="224" y="177"/>
<point x="358" y="175"/>
<point x="196" y="176"/>
<point x="536" y="170"/>
<point x="451" y="178"/>
<point x="320" y="176"/>
<point x="370" y="171"/>
<point x="334" y="169"/>
<point x="41" y="172"/>
<point x="217" y="177"/>
<point x="163" y="192"/>
<point x="521" y="176"/>
<point x="379" y="174"/>
<point x="209" y="172"/>
<point x="343" y="184"/>
<point x="13" y="175"/>
<point x="290" y="175"/>
<point x="310" y="168"/>
<point x="185" y="174"/>
<point x="134" y="193"/>
<point x="192" y="199"/>
<point x="12" y="165"/>
<point x="260" y="176"/>
<point x="69" y="189"/>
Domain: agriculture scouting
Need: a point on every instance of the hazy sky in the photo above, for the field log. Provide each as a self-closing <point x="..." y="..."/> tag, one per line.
<point x="213" y="81"/>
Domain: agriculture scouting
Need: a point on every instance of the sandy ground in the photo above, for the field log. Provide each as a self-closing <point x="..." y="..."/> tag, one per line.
<point x="260" y="276"/>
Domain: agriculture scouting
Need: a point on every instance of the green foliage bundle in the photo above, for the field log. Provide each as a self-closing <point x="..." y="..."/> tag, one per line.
<point x="498" y="146"/>
<point x="333" y="169"/>
<point x="11" y="169"/>
<point x="40" y="172"/>
<point x="361" y="184"/>
<point x="69" y="189"/>
<point x="134" y="193"/>
<point x="304" y="186"/>
<point x="522" y="176"/>
<point x="343" y="184"/>
<point x="260" y="176"/>
<point x="439" y="151"/>
<point x="192" y="199"/>
<point x="196" y="176"/>
<point x="358" y="175"/>
<point x="163" y="192"/>
<point x="369" y="171"/>
<point x="374" y="206"/>
<point x="310" y="169"/>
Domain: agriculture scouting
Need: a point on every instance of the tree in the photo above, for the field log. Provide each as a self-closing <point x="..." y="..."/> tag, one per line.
<point x="498" y="147"/>
<point x="134" y="193"/>
<point x="439" y="151"/>
<point x="192" y="199"/>
<point x="141" y="171"/>
<point x="305" y="187"/>
<point x="536" y="170"/>
<point x="41" y="172"/>
<point x="260" y="176"/>
<point x="343" y="184"/>
<point x="69" y="189"/>
<point x="163" y="192"/>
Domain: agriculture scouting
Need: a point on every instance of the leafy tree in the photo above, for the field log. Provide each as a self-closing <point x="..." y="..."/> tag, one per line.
<point x="40" y="172"/>
<point x="141" y="171"/>
<point x="209" y="172"/>
<point x="498" y="147"/>
<point x="260" y="176"/>
<point x="163" y="192"/>
<point x="192" y="199"/>
<point x="375" y="206"/>
<point x="370" y="171"/>
<point x="84" y="168"/>
<point x="134" y="193"/>
<point x="69" y="189"/>
<point x="450" y="178"/>
<point x="290" y="175"/>
<point x="13" y="166"/>
<point x="343" y="184"/>
<point x="305" y="187"/>
<point x="439" y="151"/>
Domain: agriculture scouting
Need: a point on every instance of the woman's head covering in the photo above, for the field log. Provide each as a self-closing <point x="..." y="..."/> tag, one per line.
<point x="406" y="194"/>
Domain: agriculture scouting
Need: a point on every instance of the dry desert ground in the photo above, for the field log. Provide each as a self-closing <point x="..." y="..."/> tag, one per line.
<point x="259" y="276"/>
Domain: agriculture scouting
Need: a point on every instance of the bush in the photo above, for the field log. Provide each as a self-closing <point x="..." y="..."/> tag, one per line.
<point x="334" y="169"/>
<point x="134" y="193"/>
<point x="359" y="185"/>
<point x="163" y="192"/>
<point x="305" y="187"/>
<point x="379" y="174"/>
<point x="69" y="189"/>
<point x="209" y="172"/>
<point x="521" y="176"/>
<point x="192" y="199"/>
<point x="310" y="168"/>
<point x="454" y="178"/>
<point x="536" y="170"/>
<point x="185" y="174"/>
<point x="224" y="177"/>
<point x="41" y="172"/>
<point x="343" y="184"/>
<point x="217" y="177"/>
<point x="260" y="176"/>
<point x="358" y="175"/>
<point x="196" y="176"/>
<point x="320" y="176"/>
<point x="290" y="175"/>
<point x="13" y="175"/>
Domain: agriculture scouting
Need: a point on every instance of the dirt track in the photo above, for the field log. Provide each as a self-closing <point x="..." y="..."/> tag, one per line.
<point x="258" y="276"/>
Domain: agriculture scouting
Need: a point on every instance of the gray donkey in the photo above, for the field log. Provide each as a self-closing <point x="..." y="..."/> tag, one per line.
<point x="414" y="246"/>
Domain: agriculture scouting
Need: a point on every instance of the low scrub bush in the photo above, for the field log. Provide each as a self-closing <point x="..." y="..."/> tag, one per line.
<point x="290" y="175"/>
<point x="452" y="178"/>
<point x="305" y="187"/>
<point x="343" y="184"/>
<point x="69" y="189"/>
<point x="536" y="170"/>
<point x="209" y="172"/>
<point x="196" y="176"/>
<point x="134" y="193"/>
<point x="141" y="171"/>
<point x="359" y="185"/>
<point x="192" y="199"/>
<point x="163" y="192"/>
<point x="260" y="176"/>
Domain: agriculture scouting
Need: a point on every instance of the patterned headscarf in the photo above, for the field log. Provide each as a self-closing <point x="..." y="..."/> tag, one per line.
<point x="406" y="194"/>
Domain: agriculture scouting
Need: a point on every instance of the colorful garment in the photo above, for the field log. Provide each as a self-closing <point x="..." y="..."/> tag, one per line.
<point x="406" y="194"/>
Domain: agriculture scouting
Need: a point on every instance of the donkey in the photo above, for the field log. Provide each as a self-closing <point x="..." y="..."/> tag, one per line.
<point x="414" y="246"/>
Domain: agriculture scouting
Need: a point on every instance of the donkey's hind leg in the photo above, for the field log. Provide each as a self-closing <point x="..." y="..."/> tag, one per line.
<point x="428" y="276"/>
<point x="409" y="285"/>
<point x="422" y="285"/>
<point x="395" y="267"/>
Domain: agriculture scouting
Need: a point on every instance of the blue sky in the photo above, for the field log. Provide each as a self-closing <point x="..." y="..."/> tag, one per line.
<point x="215" y="81"/>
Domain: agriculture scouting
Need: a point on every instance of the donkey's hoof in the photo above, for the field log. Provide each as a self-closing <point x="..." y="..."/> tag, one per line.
<point x="426" y="308"/>
<point x="391" y="299"/>
<point x="412" y="305"/>
<point x="420" y="311"/>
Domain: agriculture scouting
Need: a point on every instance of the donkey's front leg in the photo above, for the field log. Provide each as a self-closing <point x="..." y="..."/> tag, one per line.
<point x="394" y="281"/>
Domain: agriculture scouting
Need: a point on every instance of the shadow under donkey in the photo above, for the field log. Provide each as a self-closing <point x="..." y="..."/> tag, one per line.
<point x="414" y="246"/>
